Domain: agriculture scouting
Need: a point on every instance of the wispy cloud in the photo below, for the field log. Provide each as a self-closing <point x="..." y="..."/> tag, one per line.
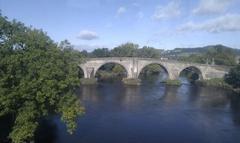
<point x="136" y="4"/>
<point x="225" y="23"/>
<point x="172" y="9"/>
<point x="87" y="35"/>
<point x="121" y="10"/>
<point x="212" y="6"/>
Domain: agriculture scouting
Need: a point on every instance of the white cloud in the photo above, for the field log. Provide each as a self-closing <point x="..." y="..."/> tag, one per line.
<point x="87" y="35"/>
<point x="212" y="6"/>
<point x="225" y="23"/>
<point x="121" y="10"/>
<point x="172" y="9"/>
<point x="136" y="4"/>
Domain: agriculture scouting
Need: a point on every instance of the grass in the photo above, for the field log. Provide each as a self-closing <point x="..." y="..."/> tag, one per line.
<point x="131" y="81"/>
<point x="88" y="81"/>
<point x="215" y="82"/>
<point x="173" y="82"/>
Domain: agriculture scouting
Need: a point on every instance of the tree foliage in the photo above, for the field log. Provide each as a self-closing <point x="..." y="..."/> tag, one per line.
<point x="149" y="52"/>
<point x="125" y="50"/>
<point x="111" y="72"/>
<point x="37" y="78"/>
<point x="101" y="52"/>
<point x="221" y="55"/>
<point x="233" y="77"/>
<point x="152" y="69"/>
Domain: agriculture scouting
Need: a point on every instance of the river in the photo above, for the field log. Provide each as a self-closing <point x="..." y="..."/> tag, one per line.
<point x="151" y="114"/>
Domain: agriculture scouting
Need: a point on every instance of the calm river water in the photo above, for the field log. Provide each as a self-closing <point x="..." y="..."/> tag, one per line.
<point x="151" y="114"/>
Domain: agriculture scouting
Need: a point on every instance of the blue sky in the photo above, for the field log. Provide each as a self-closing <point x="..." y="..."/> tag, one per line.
<point x="164" y="24"/>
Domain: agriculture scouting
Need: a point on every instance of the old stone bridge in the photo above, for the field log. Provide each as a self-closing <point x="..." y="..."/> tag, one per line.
<point x="134" y="66"/>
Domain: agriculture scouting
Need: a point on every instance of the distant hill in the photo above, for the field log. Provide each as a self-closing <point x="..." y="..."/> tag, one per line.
<point x="179" y="52"/>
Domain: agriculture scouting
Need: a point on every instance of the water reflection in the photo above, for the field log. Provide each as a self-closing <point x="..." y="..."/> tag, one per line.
<point x="46" y="132"/>
<point x="235" y="108"/>
<point x="131" y="97"/>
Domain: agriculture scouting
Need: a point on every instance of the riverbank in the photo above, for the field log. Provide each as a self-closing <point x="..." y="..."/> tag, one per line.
<point x="131" y="81"/>
<point x="217" y="82"/>
<point x="88" y="81"/>
<point x="173" y="82"/>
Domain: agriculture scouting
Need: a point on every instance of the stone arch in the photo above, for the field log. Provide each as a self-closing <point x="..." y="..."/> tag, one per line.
<point x="81" y="71"/>
<point x="84" y="71"/>
<point x="111" y="62"/>
<point x="161" y="65"/>
<point x="193" y="68"/>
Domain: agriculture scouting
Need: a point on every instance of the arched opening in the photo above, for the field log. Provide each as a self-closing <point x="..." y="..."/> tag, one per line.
<point x="111" y="72"/>
<point x="190" y="75"/>
<point x="153" y="73"/>
<point x="80" y="72"/>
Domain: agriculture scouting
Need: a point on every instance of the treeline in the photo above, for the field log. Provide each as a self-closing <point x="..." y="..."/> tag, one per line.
<point x="124" y="50"/>
<point x="217" y="54"/>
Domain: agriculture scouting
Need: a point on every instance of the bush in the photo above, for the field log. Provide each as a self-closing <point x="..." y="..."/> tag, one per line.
<point x="233" y="77"/>
<point x="216" y="82"/>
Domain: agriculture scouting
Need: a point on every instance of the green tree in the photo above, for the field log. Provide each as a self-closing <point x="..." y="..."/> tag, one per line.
<point x="233" y="77"/>
<point x="125" y="50"/>
<point x="153" y="69"/>
<point x="149" y="52"/>
<point x="118" y="69"/>
<point x="111" y="72"/>
<point x="101" y="52"/>
<point x="37" y="78"/>
<point x="84" y="53"/>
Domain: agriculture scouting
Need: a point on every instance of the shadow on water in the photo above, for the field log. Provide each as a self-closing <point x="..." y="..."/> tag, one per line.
<point x="235" y="106"/>
<point x="46" y="132"/>
<point x="5" y="127"/>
